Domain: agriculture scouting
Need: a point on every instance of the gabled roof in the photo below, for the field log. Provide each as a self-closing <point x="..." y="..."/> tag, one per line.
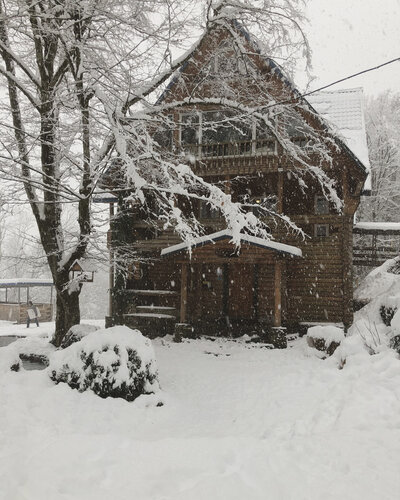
<point x="227" y="235"/>
<point x="335" y="108"/>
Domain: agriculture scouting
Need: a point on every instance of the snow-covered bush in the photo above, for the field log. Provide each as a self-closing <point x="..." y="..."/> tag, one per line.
<point x="378" y="323"/>
<point x="116" y="362"/>
<point x="325" y="338"/>
<point x="76" y="333"/>
<point x="352" y="347"/>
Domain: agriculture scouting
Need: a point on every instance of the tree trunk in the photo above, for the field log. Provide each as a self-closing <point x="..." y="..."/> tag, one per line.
<point x="67" y="310"/>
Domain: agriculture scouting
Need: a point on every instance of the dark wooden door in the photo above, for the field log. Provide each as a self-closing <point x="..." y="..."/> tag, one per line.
<point x="240" y="299"/>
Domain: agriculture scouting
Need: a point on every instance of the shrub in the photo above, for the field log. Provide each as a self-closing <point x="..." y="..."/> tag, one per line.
<point x="387" y="313"/>
<point x="117" y="362"/>
<point x="76" y="333"/>
<point x="325" y="338"/>
<point x="395" y="343"/>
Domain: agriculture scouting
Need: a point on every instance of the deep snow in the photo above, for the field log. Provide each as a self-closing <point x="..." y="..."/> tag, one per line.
<point x="239" y="421"/>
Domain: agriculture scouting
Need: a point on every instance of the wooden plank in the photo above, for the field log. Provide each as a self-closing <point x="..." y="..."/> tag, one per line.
<point x="278" y="293"/>
<point x="184" y="293"/>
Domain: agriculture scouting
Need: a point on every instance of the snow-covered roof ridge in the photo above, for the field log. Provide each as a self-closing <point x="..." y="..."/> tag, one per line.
<point x="226" y="234"/>
<point x="378" y="226"/>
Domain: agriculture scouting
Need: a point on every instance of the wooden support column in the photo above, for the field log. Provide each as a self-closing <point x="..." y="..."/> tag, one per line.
<point x="278" y="293"/>
<point x="279" y="204"/>
<point x="184" y="292"/>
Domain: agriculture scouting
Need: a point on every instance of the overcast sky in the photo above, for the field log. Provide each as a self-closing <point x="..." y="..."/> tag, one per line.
<point x="347" y="36"/>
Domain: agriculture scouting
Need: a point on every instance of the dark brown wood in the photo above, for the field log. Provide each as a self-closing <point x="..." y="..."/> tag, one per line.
<point x="184" y="293"/>
<point x="240" y="291"/>
<point x="278" y="294"/>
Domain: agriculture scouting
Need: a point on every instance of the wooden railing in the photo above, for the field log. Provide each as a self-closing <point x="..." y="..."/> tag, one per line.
<point x="259" y="147"/>
<point x="373" y="255"/>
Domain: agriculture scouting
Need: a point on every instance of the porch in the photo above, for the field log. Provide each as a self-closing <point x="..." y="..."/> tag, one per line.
<point x="233" y="289"/>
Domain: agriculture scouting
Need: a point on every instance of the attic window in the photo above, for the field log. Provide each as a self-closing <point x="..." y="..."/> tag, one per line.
<point x="208" y="212"/>
<point x="321" y="206"/>
<point x="321" y="230"/>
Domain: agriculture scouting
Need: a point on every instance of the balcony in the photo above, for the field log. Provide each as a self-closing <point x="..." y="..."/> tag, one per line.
<point x="239" y="157"/>
<point x="259" y="147"/>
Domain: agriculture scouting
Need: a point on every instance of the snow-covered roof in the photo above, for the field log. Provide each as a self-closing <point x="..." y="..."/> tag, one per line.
<point x="344" y="111"/>
<point x="381" y="227"/>
<point x="225" y="234"/>
<point x="24" y="282"/>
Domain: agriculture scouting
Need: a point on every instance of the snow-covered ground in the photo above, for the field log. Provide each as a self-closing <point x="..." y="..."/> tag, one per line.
<point x="239" y="421"/>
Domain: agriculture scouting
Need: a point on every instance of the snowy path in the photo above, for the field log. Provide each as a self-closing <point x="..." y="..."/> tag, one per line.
<point x="247" y="424"/>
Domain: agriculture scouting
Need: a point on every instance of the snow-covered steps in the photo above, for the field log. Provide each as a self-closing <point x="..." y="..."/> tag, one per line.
<point x="154" y="292"/>
<point x="152" y="309"/>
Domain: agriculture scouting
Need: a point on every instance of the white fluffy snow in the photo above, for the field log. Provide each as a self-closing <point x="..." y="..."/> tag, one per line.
<point x="226" y="234"/>
<point x="101" y="344"/>
<point x="329" y="333"/>
<point x="239" y="422"/>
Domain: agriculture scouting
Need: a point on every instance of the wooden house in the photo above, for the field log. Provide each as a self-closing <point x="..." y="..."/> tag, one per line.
<point x="288" y="280"/>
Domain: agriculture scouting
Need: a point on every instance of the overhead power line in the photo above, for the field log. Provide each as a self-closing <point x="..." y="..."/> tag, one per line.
<point x="352" y="76"/>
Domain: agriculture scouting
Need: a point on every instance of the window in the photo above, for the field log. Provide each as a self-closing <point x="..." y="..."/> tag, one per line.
<point x="190" y="128"/>
<point x="321" y="205"/>
<point x="223" y="133"/>
<point x="300" y="142"/>
<point x="208" y="212"/>
<point x="163" y="134"/>
<point x="224" y="127"/>
<point x="321" y="230"/>
<point x="260" y="206"/>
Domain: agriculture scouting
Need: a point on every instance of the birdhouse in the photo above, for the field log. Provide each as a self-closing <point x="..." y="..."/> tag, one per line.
<point x="78" y="273"/>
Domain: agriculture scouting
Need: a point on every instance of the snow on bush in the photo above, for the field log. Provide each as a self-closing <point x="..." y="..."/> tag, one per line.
<point x="378" y="323"/>
<point x="325" y="338"/>
<point x="76" y="333"/>
<point x="383" y="280"/>
<point x="116" y="362"/>
<point x="352" y="347"/>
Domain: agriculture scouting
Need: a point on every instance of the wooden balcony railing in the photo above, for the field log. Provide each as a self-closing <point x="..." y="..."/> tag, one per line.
<point x="259" y="147"/>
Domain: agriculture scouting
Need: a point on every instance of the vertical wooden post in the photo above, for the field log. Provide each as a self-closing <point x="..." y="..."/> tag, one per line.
<point x="19" y="295"/>
<point x="279" y="204"/>
<point x="278" y="293"/>
<point x="184" y="292"/>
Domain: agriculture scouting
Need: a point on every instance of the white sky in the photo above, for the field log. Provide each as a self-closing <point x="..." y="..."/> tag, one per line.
<point x="347" y="36"/>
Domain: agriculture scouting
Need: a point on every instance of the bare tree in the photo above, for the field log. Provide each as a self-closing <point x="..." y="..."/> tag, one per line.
<point x="383" y="135"/>
<point x="83" y="80"/>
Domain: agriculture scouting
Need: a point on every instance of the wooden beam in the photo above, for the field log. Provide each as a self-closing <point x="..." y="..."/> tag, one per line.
<point x="184" y="293"/>
<point x="278" y="293"/>
<point x="279" y="204"/>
